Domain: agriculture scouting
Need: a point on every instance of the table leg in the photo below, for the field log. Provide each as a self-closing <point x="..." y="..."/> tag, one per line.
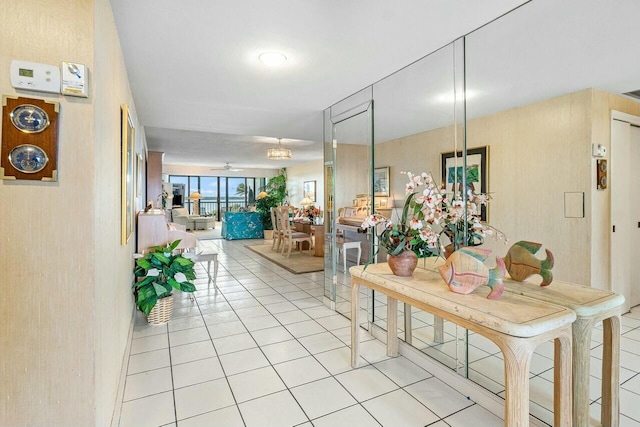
<point x="408" y="329"/>
<point x="215" y="270"/>
<point x="517" y="353"/>
<point x="438" y="329"/>
<point x="392" y="327"/>
<point x="355" y="324"/>
<point x="581" y="330"/>
<point x="610" y="415"/>
<point x="209" y="273"/>
<point x="562" y="380"/>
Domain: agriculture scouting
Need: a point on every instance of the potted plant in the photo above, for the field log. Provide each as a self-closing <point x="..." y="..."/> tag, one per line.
<point x="271" y="196"/>
<point x="426" y="216"/>
<point x="159" y="272"/>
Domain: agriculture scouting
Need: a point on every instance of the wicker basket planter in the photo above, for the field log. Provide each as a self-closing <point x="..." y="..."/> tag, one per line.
<point x="161" y="312"/>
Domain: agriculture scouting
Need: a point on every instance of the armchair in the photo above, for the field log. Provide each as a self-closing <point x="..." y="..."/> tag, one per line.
<point x="181" y="216"/>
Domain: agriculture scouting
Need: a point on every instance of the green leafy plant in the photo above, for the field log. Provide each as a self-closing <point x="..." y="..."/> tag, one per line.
<point x="272" y="195"/>
<point x="161" y="271"/>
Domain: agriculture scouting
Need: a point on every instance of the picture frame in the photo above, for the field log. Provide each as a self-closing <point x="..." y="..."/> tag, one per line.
<point x="127" y="179"/>
<point x="139" y="174"/>
<point x="381" y="182"/>
<point x="476" y="177"/>
<point x="309" y="190"/>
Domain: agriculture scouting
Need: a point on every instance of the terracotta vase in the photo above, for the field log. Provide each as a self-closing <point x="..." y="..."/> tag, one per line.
<point x="448" y="250"/>
<point x="403" y="264"/>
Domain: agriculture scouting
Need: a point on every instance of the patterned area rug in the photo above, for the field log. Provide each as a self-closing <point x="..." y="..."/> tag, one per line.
<point x="297" y="263"/>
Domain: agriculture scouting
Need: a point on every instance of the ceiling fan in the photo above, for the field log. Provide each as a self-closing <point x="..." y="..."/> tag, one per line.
<point x="226" y="167"/>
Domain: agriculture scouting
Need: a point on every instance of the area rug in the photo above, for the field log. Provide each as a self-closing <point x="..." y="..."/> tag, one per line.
<point x="297" y="263"/>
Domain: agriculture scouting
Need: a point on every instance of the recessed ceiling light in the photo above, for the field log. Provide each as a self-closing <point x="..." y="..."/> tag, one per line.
<point x="272" y="59"/>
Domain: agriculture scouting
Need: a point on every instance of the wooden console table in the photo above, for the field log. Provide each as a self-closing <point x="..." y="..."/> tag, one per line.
<point x="591" y="306"/>
<point x="515" y="323"/>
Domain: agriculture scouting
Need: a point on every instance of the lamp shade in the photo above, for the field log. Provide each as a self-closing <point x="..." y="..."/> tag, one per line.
<point x="306" y="201"/>
<point x="262" y="195"/>
<point x="195" y="196"/>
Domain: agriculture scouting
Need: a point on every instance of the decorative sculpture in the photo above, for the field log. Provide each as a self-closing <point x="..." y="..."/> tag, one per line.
<point x="521" y="262"/>
<point x="465" y="270"/>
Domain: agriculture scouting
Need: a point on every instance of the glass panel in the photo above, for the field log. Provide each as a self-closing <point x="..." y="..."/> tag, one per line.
<point x="209" y="192"/>
<point x="235" y="194"/>
<point x="352" y="136"/>
<point x="223" y="196"/>
<point x="419" y="115"/>
<point x="329" y="211"/>
<point x="542" y="82"/>
<point x="194" y="186"/>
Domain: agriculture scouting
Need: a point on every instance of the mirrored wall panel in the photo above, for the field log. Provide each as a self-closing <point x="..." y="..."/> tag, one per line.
<point x="542" y="83"/>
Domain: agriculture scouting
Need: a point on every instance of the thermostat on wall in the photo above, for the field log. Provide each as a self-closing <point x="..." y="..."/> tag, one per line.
<point x="35" y="76"/>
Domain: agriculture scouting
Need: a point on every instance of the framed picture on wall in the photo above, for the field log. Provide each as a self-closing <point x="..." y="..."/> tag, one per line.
<point x="127" y="174"/>
<point x="476" y="175"/>
<point x="381" y="181"/>
<point x="309" y="190"/>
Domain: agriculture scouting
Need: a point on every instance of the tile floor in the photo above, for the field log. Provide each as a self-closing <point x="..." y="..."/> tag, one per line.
<point x="263" y="350"/>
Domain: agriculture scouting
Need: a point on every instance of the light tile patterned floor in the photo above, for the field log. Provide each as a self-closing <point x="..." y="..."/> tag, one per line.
<point x="263" y="351"/>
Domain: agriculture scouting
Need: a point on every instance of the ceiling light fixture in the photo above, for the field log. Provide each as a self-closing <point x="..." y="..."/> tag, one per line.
<point x="279" y="153"/>
<point x="272" y="59"/>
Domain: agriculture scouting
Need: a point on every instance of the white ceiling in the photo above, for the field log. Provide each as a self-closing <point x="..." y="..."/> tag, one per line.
<point x="203" y="95"/>
<point x="205" y="99"/>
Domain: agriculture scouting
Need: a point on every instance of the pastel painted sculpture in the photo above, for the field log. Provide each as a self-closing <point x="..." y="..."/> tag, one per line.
<point x="465" y="270"/>
<point x="521" y="262"/>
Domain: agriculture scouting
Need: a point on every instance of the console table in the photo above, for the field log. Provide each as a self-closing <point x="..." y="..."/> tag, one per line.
<point x="591" y="306"/>
<point x="515" y="323"/>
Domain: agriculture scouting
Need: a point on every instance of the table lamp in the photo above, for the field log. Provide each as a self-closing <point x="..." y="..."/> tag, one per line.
<point x="195" y="196"/>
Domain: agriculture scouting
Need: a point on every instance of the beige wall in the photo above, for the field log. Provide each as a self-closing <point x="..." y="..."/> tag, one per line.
<point x="536" y="154"/>
<point x="352" y="172"/>
<point x="297" y="175"/>
<point x="66" y="304"/>
<point x="113" y="262"/>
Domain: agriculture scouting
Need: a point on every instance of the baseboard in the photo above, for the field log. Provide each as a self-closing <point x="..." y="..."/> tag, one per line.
<point x="117" y="409"/>
<point x="466" y="387"/>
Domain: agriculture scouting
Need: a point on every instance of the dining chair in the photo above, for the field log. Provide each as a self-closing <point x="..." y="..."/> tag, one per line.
<point x="277" y="231"/>
<point x="289" y="235"/>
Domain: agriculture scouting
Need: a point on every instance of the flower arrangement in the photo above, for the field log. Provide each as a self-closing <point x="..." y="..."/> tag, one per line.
<point x="308" y="213"/>
<point x="428" y="215"/>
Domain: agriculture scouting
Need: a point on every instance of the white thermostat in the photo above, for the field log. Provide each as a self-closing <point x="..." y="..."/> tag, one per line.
<point x="35" y="76"/>
<point x="74" y="79"/>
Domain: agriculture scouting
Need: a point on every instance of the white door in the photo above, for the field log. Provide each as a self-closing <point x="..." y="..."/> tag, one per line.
<point x="624" y="182"/>
<point x="634" y="298"/>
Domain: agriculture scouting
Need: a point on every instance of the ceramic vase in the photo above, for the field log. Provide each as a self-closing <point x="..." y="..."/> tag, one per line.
<point x="403" y="264"/>
<point x="448" y="250"/>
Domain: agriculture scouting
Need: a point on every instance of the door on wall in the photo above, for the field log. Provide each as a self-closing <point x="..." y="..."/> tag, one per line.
<point x="624" y="178"/>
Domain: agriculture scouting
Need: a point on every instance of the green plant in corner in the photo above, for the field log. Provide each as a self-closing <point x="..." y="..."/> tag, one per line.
<point x="272" y="195"/>
<point x="161" y="271"/>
